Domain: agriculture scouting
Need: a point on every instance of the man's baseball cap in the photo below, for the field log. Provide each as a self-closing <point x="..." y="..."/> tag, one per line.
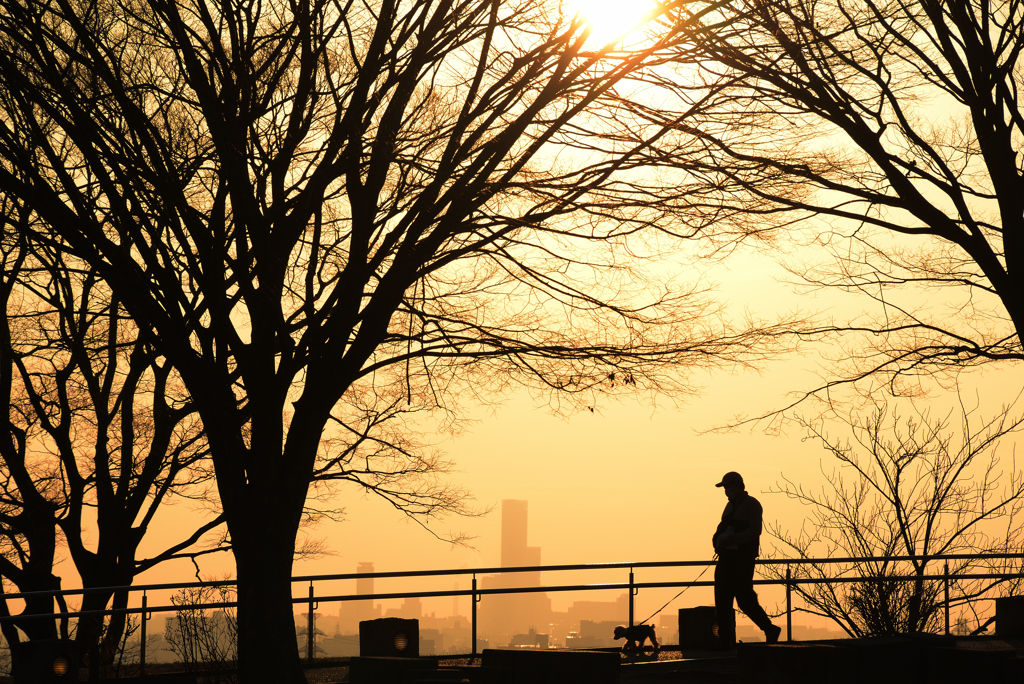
<point x="730" y="478"/>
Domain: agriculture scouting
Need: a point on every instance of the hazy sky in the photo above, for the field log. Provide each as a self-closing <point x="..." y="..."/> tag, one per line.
<point x="630" y="482"/>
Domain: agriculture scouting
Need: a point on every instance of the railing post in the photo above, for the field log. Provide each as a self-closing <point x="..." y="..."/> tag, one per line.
<point x="473" y="601"/>
<point x="142" y="638"/>
<point x="789" y="603"/>
<point x="310" y="626"/>
<point x="632" y="593"/>
<point x="945" y="591"/>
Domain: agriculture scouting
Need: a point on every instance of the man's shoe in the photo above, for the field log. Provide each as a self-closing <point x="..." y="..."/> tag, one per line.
<point x="771" y="635"/>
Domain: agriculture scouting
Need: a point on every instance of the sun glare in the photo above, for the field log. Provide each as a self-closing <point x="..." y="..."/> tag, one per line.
<point x="612" y="20"/>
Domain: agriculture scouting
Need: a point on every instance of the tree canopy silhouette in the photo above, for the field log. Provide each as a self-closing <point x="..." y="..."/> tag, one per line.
<point x="306" y="206"/>
<point x="886" y="135"/>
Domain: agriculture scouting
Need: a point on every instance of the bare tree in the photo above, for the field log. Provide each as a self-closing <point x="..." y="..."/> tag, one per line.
<point x="886" y="135"/>
<point x="203" y="639"/>
<point x="914" y="486"/>
<point x="95" y="423"/>
<point x="301" y="200"/>
<point x="372" y="441"/>
<point x="28" y="514"/>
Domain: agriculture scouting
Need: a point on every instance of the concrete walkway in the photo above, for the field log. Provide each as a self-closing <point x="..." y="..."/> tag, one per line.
<point x="702" y="667"/>
<point x="921" y="659"/>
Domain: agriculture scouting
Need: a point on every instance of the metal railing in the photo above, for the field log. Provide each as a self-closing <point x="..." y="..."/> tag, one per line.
<point x="476" y="593"/>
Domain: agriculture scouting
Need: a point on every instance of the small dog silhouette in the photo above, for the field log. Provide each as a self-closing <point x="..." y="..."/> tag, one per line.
<point x="635" y="637"/>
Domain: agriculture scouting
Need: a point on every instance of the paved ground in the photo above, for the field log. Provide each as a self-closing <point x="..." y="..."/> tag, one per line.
<point x="693" y="667"/>
<point x="689" y="667"/>
<point x="888" y="660"/>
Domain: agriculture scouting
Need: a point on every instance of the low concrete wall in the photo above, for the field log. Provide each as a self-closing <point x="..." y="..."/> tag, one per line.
<point x="1010" y="616"/>
<point x="882" y="660"/>
<point x="698" y="627"/>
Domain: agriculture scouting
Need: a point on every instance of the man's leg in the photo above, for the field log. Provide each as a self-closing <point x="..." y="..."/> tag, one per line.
<point x="724" y="594"/>
<point x="746" y="599"/>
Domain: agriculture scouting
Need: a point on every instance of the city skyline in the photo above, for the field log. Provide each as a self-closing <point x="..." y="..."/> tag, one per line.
<point x="513" y="620"/>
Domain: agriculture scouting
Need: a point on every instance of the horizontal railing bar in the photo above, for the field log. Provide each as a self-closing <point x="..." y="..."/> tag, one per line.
<point x="644" y="564"/>
<point x="129" y="588"/>
<point x="516" y="569"/>
<point x="500" y="570"/>
<point x="891" y="578"/>
<point x="327" y="599"/>
<point x="514" y="590"/>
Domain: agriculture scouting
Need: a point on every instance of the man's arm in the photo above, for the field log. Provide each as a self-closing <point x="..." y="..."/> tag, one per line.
<point x="718" y="537"/>
<point x="751" y="512"/>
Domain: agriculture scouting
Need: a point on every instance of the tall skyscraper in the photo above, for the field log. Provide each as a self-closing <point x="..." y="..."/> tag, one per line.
<point x="513" y="531"/>
<point x="364" y="585"/>
<point x="514" y="551"/>
<point x="352" y="613"/>
<point x="505" y="615"/>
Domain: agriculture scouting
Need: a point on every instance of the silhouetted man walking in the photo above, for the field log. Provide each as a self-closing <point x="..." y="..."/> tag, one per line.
<point x="737" y="542"/>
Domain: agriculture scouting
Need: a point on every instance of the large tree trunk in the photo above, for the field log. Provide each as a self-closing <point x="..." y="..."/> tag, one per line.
<point x="90" y="631"/>
<point x="99" y="635"/>
<point x="34" y="629"/>
<point x="45" y="627"/>
<point x="263" y="548"/>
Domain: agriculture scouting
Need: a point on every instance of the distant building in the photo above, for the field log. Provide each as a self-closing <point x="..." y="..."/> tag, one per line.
<point x="600" y="611"/>
<point x="514" y="523"/>
<point x="351" y="613"/>
<point x="502" y="616"/>
<point x="529" y="640"/>
<point x="455" y="633"/>
<point x="432" y="642"/>
<point x="340" y="645"/>
<point x="411" y="609"/>
<point x="668" y="627"/>
<point x="594" y="635"/>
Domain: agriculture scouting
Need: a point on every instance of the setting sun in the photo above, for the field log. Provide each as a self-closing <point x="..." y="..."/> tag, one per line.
<point x="612" y="20"/>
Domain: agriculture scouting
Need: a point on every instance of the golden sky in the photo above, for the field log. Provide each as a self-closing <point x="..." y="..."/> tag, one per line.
<point x="629" y="482"/>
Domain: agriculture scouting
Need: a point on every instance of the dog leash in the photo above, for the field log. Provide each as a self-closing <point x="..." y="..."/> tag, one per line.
<point x="677" y="595"/>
